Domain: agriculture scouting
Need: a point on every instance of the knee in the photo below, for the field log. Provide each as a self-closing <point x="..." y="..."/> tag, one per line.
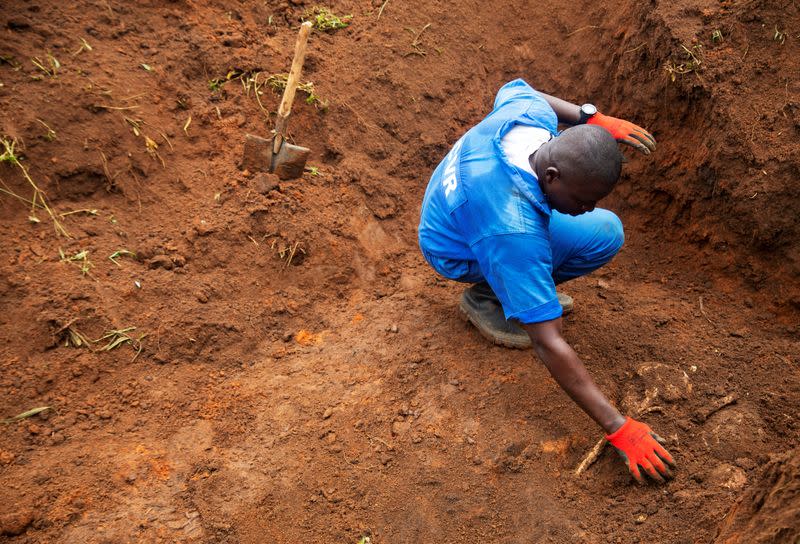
<point x="612" y="234"/>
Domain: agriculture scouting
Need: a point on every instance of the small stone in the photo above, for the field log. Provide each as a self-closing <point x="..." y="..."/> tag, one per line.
<point x="161" y="261"/>
<point x="640" y="519"/>
<point x="745" y="463"/>
<point x="15" y="524"/>
<point x="202" y="227"/>
<point x="264" y="183"/>
<point x="394" y="328"/>
<point x="327" y="413"/>
<point x="728" y="477"/>
<point x="400" y="427"/>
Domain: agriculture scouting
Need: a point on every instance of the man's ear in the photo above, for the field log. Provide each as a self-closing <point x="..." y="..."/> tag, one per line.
<point x="551" y="174"/>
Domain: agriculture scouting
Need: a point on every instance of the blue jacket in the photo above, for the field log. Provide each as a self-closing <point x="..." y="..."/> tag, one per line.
<point x="484" y="217"/>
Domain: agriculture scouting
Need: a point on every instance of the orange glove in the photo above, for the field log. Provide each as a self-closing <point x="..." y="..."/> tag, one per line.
<point x="625" y="132"/>
<point x="639" y="447"/>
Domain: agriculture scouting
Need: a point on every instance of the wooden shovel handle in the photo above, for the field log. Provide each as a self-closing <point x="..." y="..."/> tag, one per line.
<point x="291" y="85"/>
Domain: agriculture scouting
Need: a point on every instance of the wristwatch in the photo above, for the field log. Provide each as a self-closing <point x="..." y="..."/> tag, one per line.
<point x="587" y="112"/>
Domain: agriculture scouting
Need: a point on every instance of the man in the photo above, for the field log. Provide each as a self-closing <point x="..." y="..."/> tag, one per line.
<point x="511" y="209"/>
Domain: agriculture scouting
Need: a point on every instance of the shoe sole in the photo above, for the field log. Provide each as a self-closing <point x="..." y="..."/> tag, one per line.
<point x="505" y="340"/>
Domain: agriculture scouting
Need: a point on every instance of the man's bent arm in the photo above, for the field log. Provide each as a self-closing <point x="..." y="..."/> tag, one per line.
<point x="567" y="112"/>
<point x="623" y="131"/>
<point x="564" y="365"/>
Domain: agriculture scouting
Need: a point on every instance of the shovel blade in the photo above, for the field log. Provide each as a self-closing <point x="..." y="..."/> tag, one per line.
<point x="257" y="155"/>
<point x="290" y="161"/>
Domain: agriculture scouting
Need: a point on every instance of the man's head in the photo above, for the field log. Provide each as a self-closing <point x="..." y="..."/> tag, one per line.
<point x="578" y="168"/>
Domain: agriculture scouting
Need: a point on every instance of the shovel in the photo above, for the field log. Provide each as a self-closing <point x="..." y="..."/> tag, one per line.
<point x="276" y="154"/>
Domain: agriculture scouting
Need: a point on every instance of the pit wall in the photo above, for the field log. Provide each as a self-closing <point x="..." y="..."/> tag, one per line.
<point x="717" y="84"/>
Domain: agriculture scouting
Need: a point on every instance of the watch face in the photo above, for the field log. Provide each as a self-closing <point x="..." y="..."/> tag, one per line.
<point x="588" y="109"/>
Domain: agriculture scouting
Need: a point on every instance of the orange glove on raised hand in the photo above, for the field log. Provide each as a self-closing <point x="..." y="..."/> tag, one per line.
<point x="639" y="447"/>
<point x="625" y="132"/>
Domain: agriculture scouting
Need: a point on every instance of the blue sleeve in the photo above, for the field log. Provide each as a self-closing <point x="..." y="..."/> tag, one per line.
<point x="514" y="90"/>
<point x="518" y="267"/>
<point x="529" y="103"/>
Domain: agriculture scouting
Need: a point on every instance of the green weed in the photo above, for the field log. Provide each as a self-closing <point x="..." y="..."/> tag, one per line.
<point x="278" y="83"/>
<point x="691" y="61"/>
<point x="51" y="134"/>
<point x="11" y="61"/>
<point x="150" y="145"/>
<point x="81" y="259"/>
<point x="121" y="253"/>
<point x="324" y="20"/>
<point x="716" y="36"/>
<point x="87" y="211"/>
<point x="38" y="200"/>
<point x="416" y="44"/>
<point x="287" y="252"/>
<point x="216" y="84"/>
<point x="84" y="47"/>
<point x="73" y="337"/>
<point x="25" y="415"/>
<point x="50" y="66"/>
<point x="118" y="337"/>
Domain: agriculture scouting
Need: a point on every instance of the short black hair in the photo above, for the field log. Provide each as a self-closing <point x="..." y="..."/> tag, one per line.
<point x="589" y="153"/>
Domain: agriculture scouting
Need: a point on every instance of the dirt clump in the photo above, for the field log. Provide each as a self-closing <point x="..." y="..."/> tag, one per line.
<point x="15" y="523"/>
<point x="769" y="511"/>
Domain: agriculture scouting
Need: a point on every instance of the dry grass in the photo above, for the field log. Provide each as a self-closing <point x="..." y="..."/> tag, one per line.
<point x="38" y="200"/>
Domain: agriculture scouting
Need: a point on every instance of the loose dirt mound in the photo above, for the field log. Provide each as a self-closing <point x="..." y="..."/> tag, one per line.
<point x="273" y="361"/>
<point x="769" y="511"/>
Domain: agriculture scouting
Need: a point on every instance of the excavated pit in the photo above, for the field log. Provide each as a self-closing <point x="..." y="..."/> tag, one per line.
<point x="296" y="371"/>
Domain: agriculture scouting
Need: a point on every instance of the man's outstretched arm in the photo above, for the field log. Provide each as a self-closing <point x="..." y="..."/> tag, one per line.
<point x="623" y="131"/>
<point x="634" y="440"/>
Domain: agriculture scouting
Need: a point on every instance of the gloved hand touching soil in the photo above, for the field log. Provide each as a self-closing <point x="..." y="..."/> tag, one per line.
<point x="625" y="132"/>
<point x="640" y="448"/>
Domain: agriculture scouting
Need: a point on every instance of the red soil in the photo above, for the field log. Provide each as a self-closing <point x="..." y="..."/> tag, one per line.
<point x="337" y="395"/>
